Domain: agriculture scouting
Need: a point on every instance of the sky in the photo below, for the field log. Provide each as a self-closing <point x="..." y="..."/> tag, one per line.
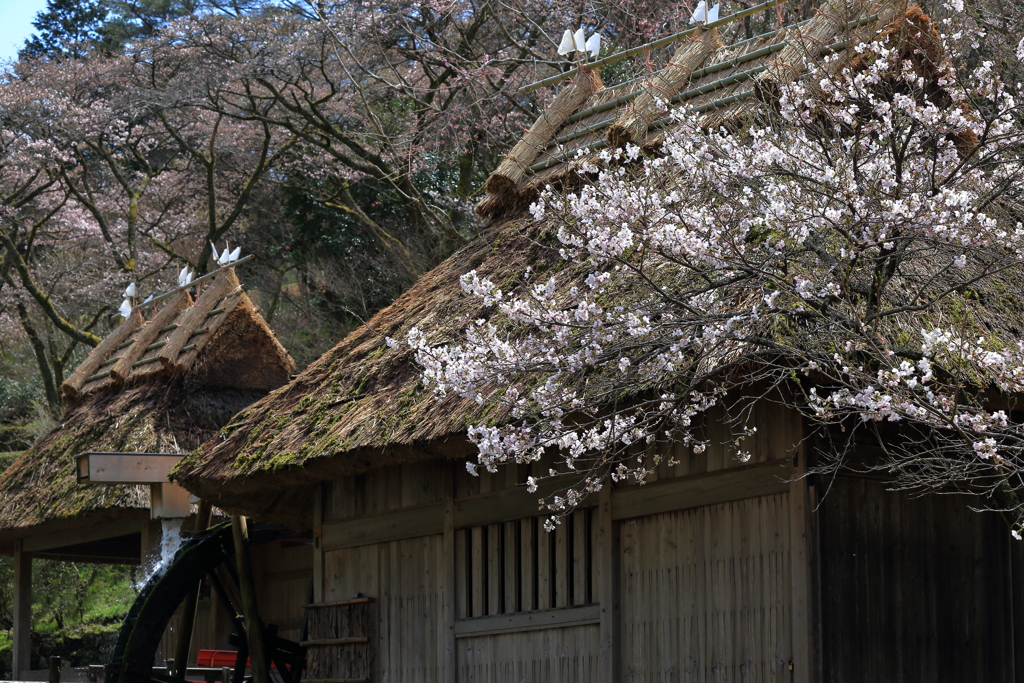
<point x="16" y="24"/>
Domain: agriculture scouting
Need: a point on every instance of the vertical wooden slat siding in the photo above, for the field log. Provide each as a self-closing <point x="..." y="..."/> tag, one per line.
<point x="447" y="560"/>
<point x="405" y="577"/>
<point x="565" y="655"/>
<point x="561" y="561"/>
<point x="510" y="575"/>
<point x="462" y="576"/>
<point x="284" y="572"/>
<point x="528" y="567"/>
<point x="913" y="588"/>
<point x="494" y="569"/>
<point x="606" y="586"/>
<point x="320" y="497"/>
<point x="580" y="567"/>
<point x="705" y="592"/>
<point x="805" y="661"/>
<point x="388" y="488"/>
<point x="545" y="586"/>
<point x="477" y="575"/>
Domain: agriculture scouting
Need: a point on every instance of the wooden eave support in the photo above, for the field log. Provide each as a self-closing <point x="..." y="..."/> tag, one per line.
<point x="22" y="613"/>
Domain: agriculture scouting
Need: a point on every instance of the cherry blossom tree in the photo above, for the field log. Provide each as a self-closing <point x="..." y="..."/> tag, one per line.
<point x="856" y="254"/>
<point x="113" y="174"/>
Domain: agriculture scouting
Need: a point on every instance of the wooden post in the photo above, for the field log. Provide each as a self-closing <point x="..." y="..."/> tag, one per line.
<point x="318" y="543"/>
<point x="188" y="608"/>
<point x="802" y="552"/>
<point x="54" y="676"/>
<point x="22" y="646"/>
<point x="607" y="559"/>
<point x="448" y="576"/>
<point x="247" y="588"/>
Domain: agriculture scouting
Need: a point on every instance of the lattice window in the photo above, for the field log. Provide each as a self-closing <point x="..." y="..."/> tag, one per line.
<point x="518" y="567"/>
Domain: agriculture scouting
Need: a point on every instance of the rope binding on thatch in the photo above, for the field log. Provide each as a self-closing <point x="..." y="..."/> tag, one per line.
<point x="567" y="129"/>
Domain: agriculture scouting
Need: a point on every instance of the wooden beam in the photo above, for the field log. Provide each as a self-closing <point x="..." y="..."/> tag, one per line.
<point x="395" y="525"/>
<point x="188" y="608"/>
<point x="528" y="621"/>
<point x="247" y="588"/>
<point x="508" y="505"/>
<point x="22" y="613"/>
<point x="167" y="500"/>
<point x="126" y="468"/>
<point x="87" y="534"/>
<point x="683" y="493"/>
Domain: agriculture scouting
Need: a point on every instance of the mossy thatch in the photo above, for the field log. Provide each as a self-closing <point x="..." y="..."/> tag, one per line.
<point x="361" y="399"/>
<point x="226" y="358"/>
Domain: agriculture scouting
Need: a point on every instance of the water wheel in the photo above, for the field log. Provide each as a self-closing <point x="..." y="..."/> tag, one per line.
<point x="208" y="554"/>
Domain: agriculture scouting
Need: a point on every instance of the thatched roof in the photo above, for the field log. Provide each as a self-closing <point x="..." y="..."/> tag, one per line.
<point x="722" y="83"/>
<point x="361" y="405"/>
<point x="166" y="384"/>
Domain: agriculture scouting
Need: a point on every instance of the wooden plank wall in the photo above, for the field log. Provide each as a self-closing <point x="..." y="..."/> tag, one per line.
<point x="778" y="433"/>
<point x="389" y="488"/>
<point x="525" y="601"/>
<point x="915" y="589"/>
<point x="284" y="572"/>
<point x="706" y="593"/>
<point x="565" y="655"/>
<point x="404" y="578"/>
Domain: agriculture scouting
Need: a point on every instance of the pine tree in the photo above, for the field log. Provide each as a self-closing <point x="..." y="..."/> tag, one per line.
<point x="65" y="28"/>
<point x="134" y="19"/>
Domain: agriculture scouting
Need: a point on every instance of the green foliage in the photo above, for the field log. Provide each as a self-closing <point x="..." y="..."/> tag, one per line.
<point x="76" y="594"/>
<point x="130" y="20"/>
<point x="76" y="610"/>
<point x="63" y="27"/>
<point x="17" y="398"/>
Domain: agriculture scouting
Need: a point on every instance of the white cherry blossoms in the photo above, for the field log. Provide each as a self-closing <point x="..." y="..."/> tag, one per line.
<point x="857" y="256"/>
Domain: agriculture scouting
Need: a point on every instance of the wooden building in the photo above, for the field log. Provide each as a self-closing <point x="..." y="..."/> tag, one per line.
<point x="162" y="385"/>
<point x="713" y="570"/>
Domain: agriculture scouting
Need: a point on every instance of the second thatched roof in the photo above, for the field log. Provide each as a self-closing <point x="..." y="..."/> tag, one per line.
<point x="166" y="384"/>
